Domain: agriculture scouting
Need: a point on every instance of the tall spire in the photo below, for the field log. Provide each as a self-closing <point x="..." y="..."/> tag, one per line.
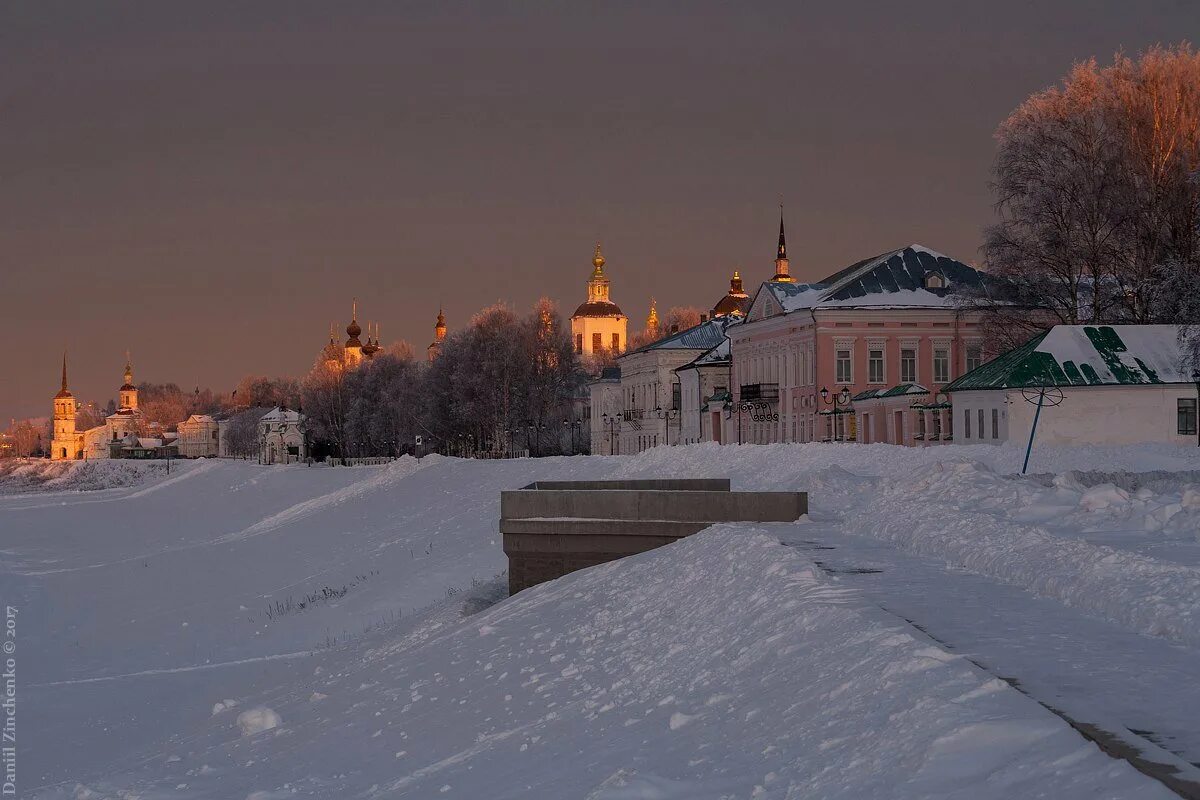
<point x="64" y="391"/>
<point x="128" y="370"/>
<point x="782" y="239"/>
<point x="781" y="258"/>
<point x="652" y="317"/>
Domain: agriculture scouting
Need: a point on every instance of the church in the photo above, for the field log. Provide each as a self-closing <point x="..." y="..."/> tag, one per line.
<point x="598" y="325"/>
<point x="121" y="428"/>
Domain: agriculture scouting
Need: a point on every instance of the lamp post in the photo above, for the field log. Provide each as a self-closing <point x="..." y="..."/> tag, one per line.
<point x="573" y="425"/>
<point x="613" y="424"/>
<point x="666" y="414"/>
<point x="839" y="400"/>
<point x="1196" y="417"/>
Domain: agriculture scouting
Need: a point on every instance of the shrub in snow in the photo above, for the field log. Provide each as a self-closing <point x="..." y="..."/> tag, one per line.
<point x="257" y="720"/>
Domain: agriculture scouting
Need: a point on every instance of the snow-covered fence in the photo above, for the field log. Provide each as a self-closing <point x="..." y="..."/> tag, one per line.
<point x="373" y="461"/>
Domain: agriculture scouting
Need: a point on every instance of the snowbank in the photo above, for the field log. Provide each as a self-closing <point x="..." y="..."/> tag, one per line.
<point x="19" y="475"/>
<point x="722" y="666"/>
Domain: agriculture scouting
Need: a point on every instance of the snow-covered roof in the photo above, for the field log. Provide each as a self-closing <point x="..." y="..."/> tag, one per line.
<point x="910" y="277"/>
<point x="704" y="336"/>
<point x="1086" y="355"/>
<point x="278" y="414"/>
<point x="199" y="419"/>
<point x="717" y="355"/>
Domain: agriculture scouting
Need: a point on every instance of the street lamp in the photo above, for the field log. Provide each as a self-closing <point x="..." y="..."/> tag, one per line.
<point x="283" y="426"/>
<point x="613" y="424"/>
<point x="667" y="414"/>
<point x="573" y="425"/>
<point x="839" y="400"/>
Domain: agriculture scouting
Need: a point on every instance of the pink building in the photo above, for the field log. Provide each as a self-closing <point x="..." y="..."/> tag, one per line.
<point x="860" y="356"/>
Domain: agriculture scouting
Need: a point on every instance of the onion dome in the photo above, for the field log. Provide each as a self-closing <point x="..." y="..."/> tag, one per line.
<point x="128" y="385"/>
<point x="734" y="304"/>
<point x="598" y="304"/>
<point x="353" y="330"/>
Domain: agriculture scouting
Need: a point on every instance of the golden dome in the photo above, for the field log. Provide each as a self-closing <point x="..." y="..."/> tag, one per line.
<point x="598" y="258"/>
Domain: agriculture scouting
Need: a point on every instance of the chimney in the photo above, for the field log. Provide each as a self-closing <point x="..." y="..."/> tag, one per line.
<point x="703" y="318"/>
<point x="674" y="328"/>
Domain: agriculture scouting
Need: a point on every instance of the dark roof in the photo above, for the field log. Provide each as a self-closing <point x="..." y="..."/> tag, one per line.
<point x="900" y="270"/>
<point x="128" y="387"/>
<point x="599" y="309"/>
<point x="732" y="304"/>
<point x="610" y="373"/>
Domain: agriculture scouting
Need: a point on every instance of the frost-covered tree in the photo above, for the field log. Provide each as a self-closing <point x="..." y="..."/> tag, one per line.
<point x="1095" y="195"/>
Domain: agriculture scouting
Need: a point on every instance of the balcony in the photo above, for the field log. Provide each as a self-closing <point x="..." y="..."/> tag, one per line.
<point x="763" y="392"/>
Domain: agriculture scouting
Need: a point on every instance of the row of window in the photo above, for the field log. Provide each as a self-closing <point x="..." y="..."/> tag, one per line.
<point x="598" y="342"/>
<point x="876" y="373"/>
<point x="980" y="432"/>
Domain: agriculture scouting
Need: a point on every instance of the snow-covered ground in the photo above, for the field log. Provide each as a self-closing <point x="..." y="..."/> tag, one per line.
<point x="19" y="475"/>
<point x="241" y="631"/>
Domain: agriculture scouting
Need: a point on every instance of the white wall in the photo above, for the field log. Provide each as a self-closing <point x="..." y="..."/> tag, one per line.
<point x="1087" y="415"/>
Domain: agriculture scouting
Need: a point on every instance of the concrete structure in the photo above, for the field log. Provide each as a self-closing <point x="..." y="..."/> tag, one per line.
<point x="554" y="528"/>
<point x="1118" y="384"/>
<point x="598" y="326"/>
<point x="199" y="437"/>
<point x="282" y="437"/>
<point x="884" y="322"/>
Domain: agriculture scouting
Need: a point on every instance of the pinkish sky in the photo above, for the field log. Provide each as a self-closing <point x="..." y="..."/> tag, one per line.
<point x="209" y="183"/>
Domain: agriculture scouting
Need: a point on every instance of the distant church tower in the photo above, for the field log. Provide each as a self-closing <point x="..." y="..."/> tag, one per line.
<point x="781" y="259"/>
<point x="652" y="319"/>
<point x="65" y="444"/>
<point x="598" y="325"/>
<point x="127" y="395"/>
<point x="439" y="334"/>
<point x="354" y="347"/>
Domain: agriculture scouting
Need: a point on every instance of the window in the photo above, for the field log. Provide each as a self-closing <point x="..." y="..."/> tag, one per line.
<point x="974" y="356"/>
<point x="676" y="395"/>
<point x="597" y="342"/>
<point x="981" y="423"/>
<point x="995" y="423"/>
<point x="967" y="423"/>
<point x="941" y="365"/>
<point x="908" y="366"/>
<point x="934" y="280"/>
<point x="1186" y="422"/>
<point x="875" y="366"/>
<point x="616" y="342"/>
<point x="844" y="372"/>
<point x="579" y="343"/>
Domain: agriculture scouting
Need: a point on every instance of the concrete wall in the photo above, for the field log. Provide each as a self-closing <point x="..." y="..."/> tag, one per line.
<point x="549" y="532"/>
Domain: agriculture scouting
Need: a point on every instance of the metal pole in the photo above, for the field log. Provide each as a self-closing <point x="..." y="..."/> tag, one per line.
<point x="1033" y="429"/>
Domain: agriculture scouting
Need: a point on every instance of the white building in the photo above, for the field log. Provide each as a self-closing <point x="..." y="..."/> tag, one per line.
<point x="282" y="437"/>
<point x="199" y="437"/>
<point x="604" y="412"/>
<point x="703" y="394"/>
<point x="1119" y="384"/>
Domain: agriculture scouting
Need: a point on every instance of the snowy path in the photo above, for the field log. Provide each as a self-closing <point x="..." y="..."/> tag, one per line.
<point x="1143" y="690"/>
